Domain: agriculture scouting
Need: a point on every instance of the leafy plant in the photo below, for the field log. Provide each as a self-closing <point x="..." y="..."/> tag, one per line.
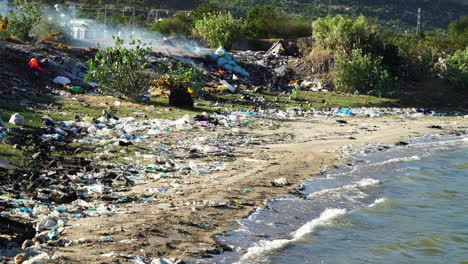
<point x="49" y="29"/>
<point x="456" y="72"/>
<point x="186" y="75"/>
<point x="360" y="72"/>
<point x="180" y="24"/>
<point x="345" y="33"/>
<point x="204" y="9"/>
<point x="268" y="21"/>
<point x="119" y="69"/>
<point x="219" y="29"/>
<point x="295" y="91"/>
<point x="3" y="26"/>
<point x="458" y="31"/>
<point x="23" y="18"/>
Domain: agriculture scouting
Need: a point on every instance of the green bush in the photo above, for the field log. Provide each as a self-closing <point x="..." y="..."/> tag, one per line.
<point x="204" y="9"/>
<point x="180" y="24"/>
<point x="360" y="72"/>
<point x="458" y="32"/>
<point x="345" y="33"/>
<point x="49" y="28"/>
<point x="456" y="72"/>
<point x="219" y="29"/>
<point x="268" y="21"/>
<point x="119" y="69"/>
<point x="419" y="58"/>
<point x="23" y="18"/>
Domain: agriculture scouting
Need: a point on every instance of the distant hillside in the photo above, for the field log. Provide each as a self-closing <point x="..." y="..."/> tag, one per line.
<point x="399" y="13"/>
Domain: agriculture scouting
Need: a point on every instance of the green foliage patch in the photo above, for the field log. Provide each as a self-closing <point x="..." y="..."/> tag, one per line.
<point x="219" y="29"/>
<point x="119" y="69"/>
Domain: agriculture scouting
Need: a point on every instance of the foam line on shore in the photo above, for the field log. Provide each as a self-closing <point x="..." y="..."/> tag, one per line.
<point x="263" y="247"/>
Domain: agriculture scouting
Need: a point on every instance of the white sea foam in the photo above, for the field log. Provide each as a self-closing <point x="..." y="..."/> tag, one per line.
<point x="362" y="183"/>
<point x="378" y="201"/>
<point x="367" y="182"/>
<point x="263" y="247"/>
<point x="412" y="158"/>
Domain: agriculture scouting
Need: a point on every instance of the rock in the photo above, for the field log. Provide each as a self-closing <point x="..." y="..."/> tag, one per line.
<point x="17" y="119"/>
<point x="401" y="143"/>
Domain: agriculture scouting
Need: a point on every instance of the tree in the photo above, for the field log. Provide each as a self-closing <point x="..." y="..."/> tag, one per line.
<point x="23" y="18"/>
<point x="456" y="72"/>
<point x="204" y="9"/>
<point x="219" y="29"/>
<point x="458" y="31"/>
<point x="180" y="24"/>
<point x="262" y="20"/>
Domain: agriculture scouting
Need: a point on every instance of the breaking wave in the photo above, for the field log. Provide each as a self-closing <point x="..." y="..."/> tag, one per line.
<point x="362" y="183"/>
<point x="260" y="249"/>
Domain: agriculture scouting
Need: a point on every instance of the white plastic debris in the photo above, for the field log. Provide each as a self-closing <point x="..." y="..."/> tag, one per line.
<point x="227" y="85"/>
<point x="61" y="80"/>
<point x="17" y="119"/>
<point x="281" y="181"/>
<point x="220" y="51"/>
<point x="161" y="261"/>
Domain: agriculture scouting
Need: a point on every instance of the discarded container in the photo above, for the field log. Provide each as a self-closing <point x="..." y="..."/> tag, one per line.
<point x="76" y="89"/>
<point x="61" y="80"/>
<point x="220" y="51"/>
<point x="16" y="119"/>
<point x="34" y="64"/>
<point x="227" y="85"/>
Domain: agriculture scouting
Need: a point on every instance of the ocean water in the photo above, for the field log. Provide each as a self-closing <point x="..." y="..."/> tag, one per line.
<point x="394" y="205"/>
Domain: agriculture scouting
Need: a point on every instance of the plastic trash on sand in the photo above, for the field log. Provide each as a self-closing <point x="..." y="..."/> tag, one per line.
<point x="220" y="51"/>
<point x="61" y="80"/>
<point x="16" y="119"/>
<point x="76" y="89"/>
<point x="227" y="85"/>
<point x="34" y="64"/>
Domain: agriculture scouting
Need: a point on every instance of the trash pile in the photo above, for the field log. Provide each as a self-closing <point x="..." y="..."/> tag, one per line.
<point x="37" y="205"/>
<point x="28" y="70"/>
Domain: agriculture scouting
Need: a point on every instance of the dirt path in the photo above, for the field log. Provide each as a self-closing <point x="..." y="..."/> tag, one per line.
<point x="182" y="222"/>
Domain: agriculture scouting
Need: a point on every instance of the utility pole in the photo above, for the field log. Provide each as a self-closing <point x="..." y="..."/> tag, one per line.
<point x="133" y="21"/>
<point x="105" y="23"/>
<point x="418" y="27"/>
<point x="73" y="10"/>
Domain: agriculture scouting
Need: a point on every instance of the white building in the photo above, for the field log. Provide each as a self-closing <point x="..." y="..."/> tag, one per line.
<point x="84" y="29"/>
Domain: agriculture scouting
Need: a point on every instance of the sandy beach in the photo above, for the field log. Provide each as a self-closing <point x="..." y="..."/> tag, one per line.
<point x="183" y="224"/>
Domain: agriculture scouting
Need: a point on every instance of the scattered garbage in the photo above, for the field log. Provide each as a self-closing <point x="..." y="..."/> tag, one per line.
<point x="34" y="64"/>
<point x="61" y="80"/>
<point x="227" y="85"/>
<point x="227" y="62"/>
<point x="76" y="89"/>
<point x="280" y="182"/>
<point x="16" y="119"/>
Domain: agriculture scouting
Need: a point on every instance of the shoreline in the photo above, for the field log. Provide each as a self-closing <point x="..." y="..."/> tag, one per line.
<point x="187" y="231"/>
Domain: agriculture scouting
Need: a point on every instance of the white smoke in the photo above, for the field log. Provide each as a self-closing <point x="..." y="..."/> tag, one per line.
<point x="90" y="32"/>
